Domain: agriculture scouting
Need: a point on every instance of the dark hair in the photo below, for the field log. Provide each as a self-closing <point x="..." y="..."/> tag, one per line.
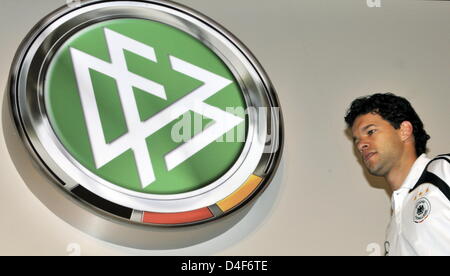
<point x="393" y="109"/>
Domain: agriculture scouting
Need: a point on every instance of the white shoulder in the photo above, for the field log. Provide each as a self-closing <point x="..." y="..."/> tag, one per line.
<point x="440" y="166"/>
<point x="437" y="173"/>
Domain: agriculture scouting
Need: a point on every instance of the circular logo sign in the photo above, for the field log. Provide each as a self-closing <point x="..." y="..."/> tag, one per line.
<point x="422" y="210"/>
<point x="146" y="112"/>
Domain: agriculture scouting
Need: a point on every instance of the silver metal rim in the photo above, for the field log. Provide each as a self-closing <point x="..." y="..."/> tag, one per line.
<point x="28" y="104"/>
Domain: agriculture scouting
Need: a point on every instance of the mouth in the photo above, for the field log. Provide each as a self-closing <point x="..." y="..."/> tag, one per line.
<point x="369" y="155"/>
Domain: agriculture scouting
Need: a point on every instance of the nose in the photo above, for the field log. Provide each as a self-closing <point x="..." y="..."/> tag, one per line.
<point x="362" y="145"/>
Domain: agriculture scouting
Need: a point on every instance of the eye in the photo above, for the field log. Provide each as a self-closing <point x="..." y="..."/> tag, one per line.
<point x="370" y="132"/>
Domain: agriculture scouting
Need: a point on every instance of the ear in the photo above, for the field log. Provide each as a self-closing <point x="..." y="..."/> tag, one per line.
<point x="406" y="130"/>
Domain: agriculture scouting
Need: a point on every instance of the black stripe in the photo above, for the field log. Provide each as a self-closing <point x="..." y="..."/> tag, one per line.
<point x="438" y="158"/>
<point x="442" y="156"/>
<point x="102" y="203"/>
<point x="431" y="178"/>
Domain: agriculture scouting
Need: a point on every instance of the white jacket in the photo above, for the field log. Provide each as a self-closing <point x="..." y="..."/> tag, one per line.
<point x="420" y="223"/>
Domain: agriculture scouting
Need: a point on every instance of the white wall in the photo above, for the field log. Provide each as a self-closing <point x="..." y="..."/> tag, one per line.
<point x="320" y="55"/>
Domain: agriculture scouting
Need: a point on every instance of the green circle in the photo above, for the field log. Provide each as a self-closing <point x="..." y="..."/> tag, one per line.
<point x="64" y="109"/>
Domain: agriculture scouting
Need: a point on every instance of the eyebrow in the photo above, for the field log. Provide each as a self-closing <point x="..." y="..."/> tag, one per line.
<point x="368" y="126"/>
<point x="364" y="129"/>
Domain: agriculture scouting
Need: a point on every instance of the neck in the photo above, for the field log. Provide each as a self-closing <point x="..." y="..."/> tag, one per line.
<point x="400" y="171"/>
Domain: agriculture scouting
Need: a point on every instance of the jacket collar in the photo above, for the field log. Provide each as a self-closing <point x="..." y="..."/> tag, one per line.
<point x="415" y="172"/>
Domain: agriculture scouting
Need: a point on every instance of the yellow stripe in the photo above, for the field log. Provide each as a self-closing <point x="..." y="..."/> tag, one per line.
<point x="240" y="194"/>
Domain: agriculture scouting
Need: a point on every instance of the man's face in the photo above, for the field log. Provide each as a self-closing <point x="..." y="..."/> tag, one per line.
<point x="378" y="142"/>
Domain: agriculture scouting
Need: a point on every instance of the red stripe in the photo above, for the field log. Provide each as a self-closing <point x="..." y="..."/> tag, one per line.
<point x="177" y="218"/>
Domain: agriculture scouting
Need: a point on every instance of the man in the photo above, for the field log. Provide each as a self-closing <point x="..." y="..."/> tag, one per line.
<point x="389" y="135"/>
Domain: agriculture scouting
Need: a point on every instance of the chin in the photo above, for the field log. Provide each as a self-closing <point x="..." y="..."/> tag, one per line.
<point x="377" y="171"/>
